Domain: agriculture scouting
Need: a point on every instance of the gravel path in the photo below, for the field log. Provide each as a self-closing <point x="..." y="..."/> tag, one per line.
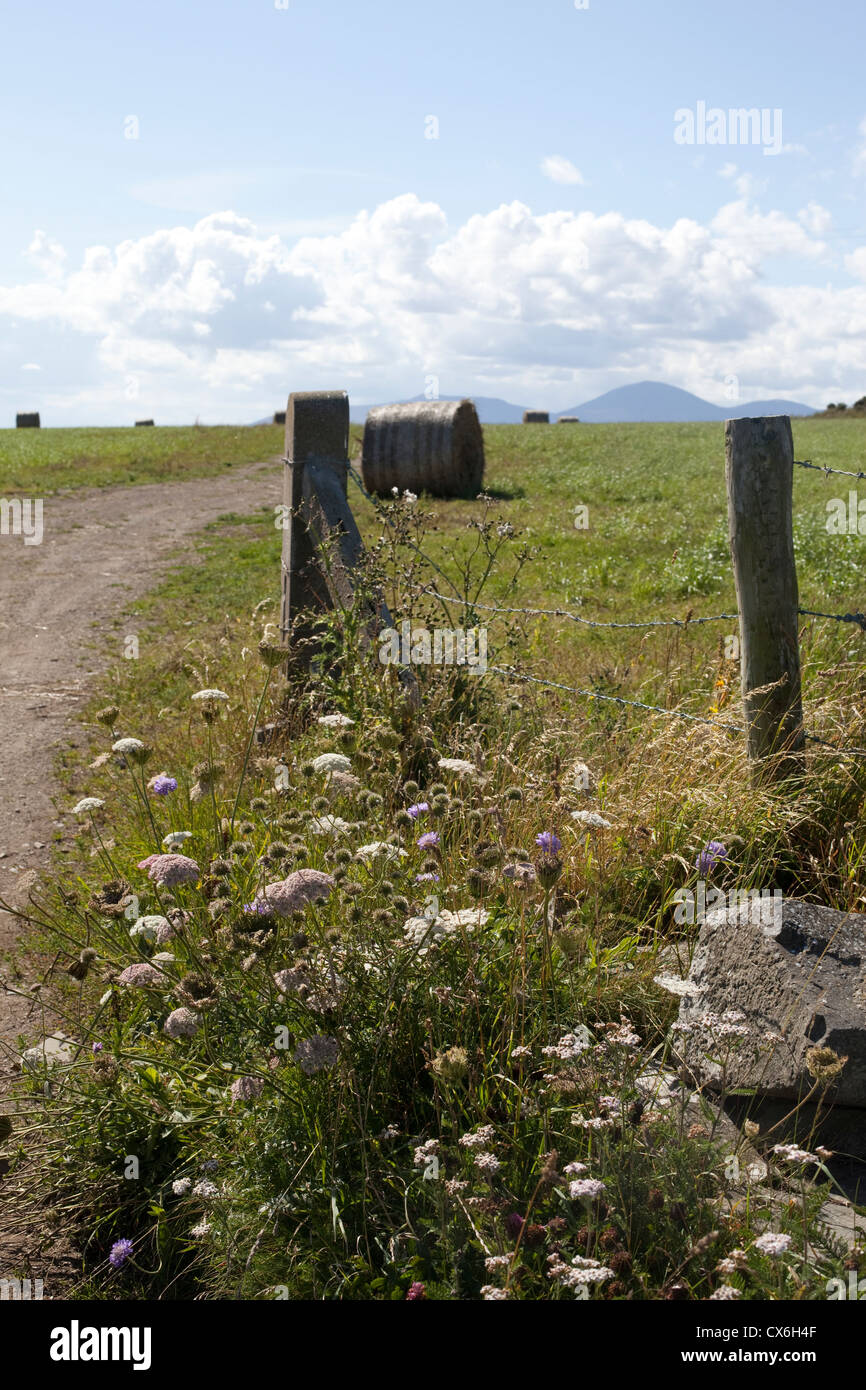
<point x="101" y="549"/>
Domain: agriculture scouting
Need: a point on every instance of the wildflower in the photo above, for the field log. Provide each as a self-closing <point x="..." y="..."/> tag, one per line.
<point x="581" y="1271"/>
<point x="521" y="872"/>
<point x="142" y="976"/>
<point x="452" y="1065"/>
<point x="772" y="1243"/>
<point x="459" y="766"/>
<point x="121" y="1250"/>
<point x="247" y="1088"/>
<point x="210" y="699"/>
<point x="181" y="1186"/>
<point x="487" y="1163"/>
<point x="724" y="1291"/>
<point x="595" y="1123"/>
<point x="176" y="837"/>
<point x="574" y="1169"/>
<point x="146" y="928"/>
<point x="792" y="1154"/>
<point x="415" y="1292"/>
<point x="107" y="716"/>
<point x="520" y="1052"/>
<point x="292" y="894"/>
<point x="380" y="847"/>
<point x="494" y="1262"/>
<point x="162" y="784"/>
<point x="428" y="840"/>
<point x="206" y="1190"/>
<point x="329" y="825"/>
<point x="491" y="1293"/>
<point x="570" y="1045"/>
<point x="426" y="878"/>
<point x="477" y="1138"/>
<point x="454" y="1186"/>
<point x="131" y="748"/>
<point x="336" y="721"/>
<point x="592" y="819"/>
<point x="291" y="981"/>
<point x="548" y="867"/>
<point x="712" y="853"/>
<point x="88" y="805"/>
<point x="169" y="870"/>
<point x="165" y="932"/>
<point x="548" y="842"/>
<point x="624" y="1036"/>
<point x="273" y="654"/>
<point x="332" y="762"/>
<point x="201" y="1230"/>
<point x="316" y="1054"/>
<point x="823" y="1063"/>
<point x="182" y="1023"/>
<point x="586" y="1188"/>
<point x="424" y="1152"/>
<point x="419" y="809"/>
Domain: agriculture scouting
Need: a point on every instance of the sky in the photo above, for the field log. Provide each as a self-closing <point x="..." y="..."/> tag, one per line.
<point x="209" y="205"/>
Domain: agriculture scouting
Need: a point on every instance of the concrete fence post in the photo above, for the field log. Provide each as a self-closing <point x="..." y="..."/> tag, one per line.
<point x="759" y="469"/>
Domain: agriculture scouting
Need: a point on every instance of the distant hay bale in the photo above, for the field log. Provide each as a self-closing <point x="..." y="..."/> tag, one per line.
<point x="143" y="422"/>
<point x="428" y="446"/>
<point x="279" y="417"/>
<point x="28" y="422"/>
<point x="568" y="420"/>
<point x="536" y="417"/>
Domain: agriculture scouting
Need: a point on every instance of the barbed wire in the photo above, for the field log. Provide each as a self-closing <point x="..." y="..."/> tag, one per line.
<point x="859" y="618"/>
<point x="824" y="468"/>
<point x="510" y="672"/>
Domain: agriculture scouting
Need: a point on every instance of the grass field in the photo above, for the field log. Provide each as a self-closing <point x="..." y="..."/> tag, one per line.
<point x="271" y="1173"/>
<point x="39" y="462"/>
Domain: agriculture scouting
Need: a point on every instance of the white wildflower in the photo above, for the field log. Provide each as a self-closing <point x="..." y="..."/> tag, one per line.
<point x="87" y="803"/>
<point x="332" y="762"/>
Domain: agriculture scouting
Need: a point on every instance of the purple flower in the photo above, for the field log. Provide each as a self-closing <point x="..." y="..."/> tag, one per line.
<point x="548" y="842"/>
<point x="163" y="784"/>
<point x="120" y="1253"/>
<point x="710" y="855"/>
<point x="426" y="878"/>
<point x="418" y="809"/>
<point x="514" y="1224"/>
<point x="415" y="1292"/>
<point x="428" y="840"/>
<point x="97" y="1047"/>
<point x="259" y="908"/>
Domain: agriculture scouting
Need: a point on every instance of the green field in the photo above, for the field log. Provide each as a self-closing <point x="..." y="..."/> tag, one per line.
<point x="44" y="461"/>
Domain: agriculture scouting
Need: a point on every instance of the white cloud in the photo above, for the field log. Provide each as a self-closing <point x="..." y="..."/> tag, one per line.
<point x="222" y="320"/>
<point x="560" y="169"/>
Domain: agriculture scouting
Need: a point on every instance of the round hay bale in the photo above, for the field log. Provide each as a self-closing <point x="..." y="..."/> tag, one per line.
<point x="568" y="420"/>
<point x="426" y="446"/>
<point x="143" y="422"/>
<point x="28" y="422"/>
<point x="536" y="417"/>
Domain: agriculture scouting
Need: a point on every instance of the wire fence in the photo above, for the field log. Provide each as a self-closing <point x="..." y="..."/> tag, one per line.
<point x="689" y="621"/>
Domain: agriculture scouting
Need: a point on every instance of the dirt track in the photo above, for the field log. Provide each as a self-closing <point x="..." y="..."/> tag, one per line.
<point x="100" y="550"/>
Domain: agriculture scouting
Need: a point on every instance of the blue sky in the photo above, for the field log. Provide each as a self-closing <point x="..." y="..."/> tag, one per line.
<point x="209" y="205"/>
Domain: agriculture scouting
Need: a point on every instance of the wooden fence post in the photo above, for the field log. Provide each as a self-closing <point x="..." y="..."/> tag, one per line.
<point x="759" y="469"/>
<point x="317" y="438"/>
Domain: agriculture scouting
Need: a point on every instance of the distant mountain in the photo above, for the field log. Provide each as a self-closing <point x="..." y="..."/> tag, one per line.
<point x="491" y="410"/>
<point x="651" y="401"/>
<point x="655" y="401"/>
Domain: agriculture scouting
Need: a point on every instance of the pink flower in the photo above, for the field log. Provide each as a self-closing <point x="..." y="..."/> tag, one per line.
<point x="182" y="1023"/>
<point x="168" y="870"/>
<point x="142" y="976"/>
<point x="293" y="893"/>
